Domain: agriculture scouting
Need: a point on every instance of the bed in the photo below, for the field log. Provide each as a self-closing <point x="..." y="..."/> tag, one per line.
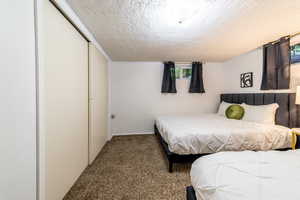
<point x="211" y="133"/>
<point x="198" y="135"/>
<point x="246" y="175"/>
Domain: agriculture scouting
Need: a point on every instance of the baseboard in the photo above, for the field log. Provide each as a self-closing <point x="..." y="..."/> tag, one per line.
<point x="134" y="133"/>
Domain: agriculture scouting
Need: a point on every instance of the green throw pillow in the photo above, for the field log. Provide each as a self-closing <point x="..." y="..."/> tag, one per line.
<point x="235" y="112"/>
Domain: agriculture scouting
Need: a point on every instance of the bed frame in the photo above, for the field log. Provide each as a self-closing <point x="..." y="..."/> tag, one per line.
<point x="288" y="114"/>
<point x="190" y="193"/>
<point x="173" y="157"/>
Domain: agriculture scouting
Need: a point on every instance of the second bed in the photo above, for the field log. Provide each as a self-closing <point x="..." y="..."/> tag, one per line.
<point x="246" y="175"/>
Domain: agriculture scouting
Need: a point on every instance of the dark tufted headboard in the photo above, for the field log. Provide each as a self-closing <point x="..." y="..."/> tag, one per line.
<point x="287" y="113"/>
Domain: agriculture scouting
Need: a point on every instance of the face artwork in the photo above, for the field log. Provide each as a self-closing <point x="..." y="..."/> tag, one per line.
<point x="247" y="80"/>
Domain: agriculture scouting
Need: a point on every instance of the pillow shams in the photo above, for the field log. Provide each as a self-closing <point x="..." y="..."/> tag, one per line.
<point x="260" y="113"/>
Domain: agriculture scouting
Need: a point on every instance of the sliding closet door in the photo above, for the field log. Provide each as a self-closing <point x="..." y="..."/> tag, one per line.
<point x="98" y="102"/>
<point x="63" y="102"/>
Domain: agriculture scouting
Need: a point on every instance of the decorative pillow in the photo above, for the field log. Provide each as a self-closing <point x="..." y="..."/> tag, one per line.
<point x="235" y="112"/>
<point x="264" y="114"/>
<point x="222" y="108"/>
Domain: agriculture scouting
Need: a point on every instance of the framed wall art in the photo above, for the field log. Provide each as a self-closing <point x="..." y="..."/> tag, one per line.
<point x="246" y="80"/>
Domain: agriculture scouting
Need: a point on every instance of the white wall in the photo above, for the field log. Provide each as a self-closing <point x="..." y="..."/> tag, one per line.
<point x="253" y="62"/>
<point x="18" y="114"/>
<point x="136" y="96"/>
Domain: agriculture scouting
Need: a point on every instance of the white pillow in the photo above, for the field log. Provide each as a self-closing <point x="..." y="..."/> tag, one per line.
<point x="222" y="108"/>
<point x="264" y="114"/>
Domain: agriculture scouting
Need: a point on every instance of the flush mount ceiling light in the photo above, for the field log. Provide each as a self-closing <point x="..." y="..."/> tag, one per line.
<point x="183" y="11"/>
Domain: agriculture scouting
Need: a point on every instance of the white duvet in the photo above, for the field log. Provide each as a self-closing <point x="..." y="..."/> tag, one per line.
<point x="210" y="133"/>
<point x="247" y="175"/>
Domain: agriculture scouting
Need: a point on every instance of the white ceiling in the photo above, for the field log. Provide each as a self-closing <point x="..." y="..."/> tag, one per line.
<point x="212" y="30"/>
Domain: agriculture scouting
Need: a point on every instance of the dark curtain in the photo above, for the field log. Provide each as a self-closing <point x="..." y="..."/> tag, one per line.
<point x="169" y="79"/>
<point x="196" y="85"/>
<point x="276" y="65"/>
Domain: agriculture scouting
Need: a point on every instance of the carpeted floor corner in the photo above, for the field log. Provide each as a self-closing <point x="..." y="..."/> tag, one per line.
<point x="131" y="168"/>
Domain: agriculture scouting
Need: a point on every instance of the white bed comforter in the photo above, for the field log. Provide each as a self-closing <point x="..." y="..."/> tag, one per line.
<point x="210" y="133"/>
<point x="247" y="175"/>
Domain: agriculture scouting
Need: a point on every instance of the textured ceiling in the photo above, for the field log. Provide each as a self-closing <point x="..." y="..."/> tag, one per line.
<point x="211" y="30"/>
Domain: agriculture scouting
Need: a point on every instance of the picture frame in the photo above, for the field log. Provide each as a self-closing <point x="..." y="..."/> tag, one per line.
<point x="246" y="80"/>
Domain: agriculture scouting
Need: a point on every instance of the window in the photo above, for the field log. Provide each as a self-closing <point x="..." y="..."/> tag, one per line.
<point x="183" y="71"/>
<point x="295" y="53"/>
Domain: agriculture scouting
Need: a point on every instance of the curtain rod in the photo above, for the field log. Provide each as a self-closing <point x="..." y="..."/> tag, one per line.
<point x="294" y="34"/>
<point x="183" y="63"/>
<point x="288" y="36"/>
<point x="187" y="63"/>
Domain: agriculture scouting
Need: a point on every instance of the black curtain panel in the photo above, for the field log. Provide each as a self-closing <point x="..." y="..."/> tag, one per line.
<point x="196" y="85"/>
<point x="169" y="78"/>
<point x="276" y="65"/>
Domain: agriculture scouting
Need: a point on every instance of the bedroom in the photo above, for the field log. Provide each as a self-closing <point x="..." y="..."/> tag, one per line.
<point x="121" y="99"/>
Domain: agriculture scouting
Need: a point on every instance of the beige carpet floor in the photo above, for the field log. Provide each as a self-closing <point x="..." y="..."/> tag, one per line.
<point x="131" y="168"/>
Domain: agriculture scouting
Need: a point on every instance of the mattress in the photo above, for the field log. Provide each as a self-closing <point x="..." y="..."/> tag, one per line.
<point x="247" y="175"/>
<point x="210" y="133"/>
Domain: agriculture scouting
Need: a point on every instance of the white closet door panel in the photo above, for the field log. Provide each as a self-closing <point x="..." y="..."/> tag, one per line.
<point x="98" y="102"/>
<point x="65" y="101"/>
